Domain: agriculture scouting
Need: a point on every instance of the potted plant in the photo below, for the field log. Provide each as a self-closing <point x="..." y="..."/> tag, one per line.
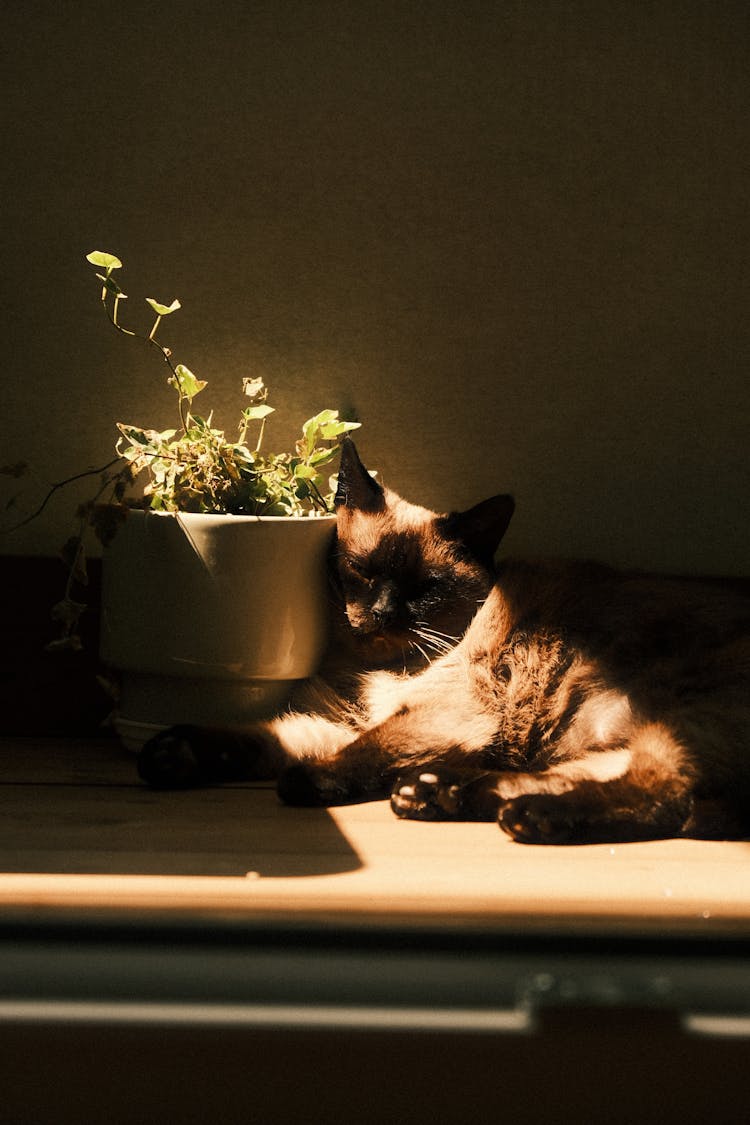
<point x="214" y="578"/>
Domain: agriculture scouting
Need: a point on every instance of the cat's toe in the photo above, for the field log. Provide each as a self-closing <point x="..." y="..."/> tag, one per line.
<point x="425" y="796"/>
<point x="168" y="760"/>
<point x="537" y="818"/>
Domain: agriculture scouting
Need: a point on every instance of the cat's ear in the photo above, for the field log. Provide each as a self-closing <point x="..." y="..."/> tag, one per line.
<point x="482" y="527"/>
<point x="356" y="488"/>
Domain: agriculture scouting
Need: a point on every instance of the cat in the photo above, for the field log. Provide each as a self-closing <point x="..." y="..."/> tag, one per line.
<point x="568" y="701"/>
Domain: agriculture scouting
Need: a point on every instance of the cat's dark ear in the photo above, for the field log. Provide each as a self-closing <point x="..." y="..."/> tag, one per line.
<point x="356" y="488"/>
<point x="482" y="527"/>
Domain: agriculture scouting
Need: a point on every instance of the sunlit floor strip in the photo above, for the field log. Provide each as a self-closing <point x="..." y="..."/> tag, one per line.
<point x="332" y="1016"/>
<point x="718" y="1026"/>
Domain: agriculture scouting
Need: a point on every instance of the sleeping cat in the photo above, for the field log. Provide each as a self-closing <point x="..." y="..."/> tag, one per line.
<point x="566" y="700"/>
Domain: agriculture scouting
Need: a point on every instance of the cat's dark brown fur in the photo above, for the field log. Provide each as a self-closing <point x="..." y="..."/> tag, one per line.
<point x="579" y="704"/>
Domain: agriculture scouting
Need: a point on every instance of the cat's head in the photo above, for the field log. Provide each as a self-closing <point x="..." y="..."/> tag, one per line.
<point x="411" y="578"/>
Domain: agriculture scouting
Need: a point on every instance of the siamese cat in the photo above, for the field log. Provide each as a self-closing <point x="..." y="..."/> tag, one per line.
<point x="566" y="700"/>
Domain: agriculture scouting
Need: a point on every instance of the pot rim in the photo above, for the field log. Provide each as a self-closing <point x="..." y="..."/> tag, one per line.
<point x="322" y="517"/>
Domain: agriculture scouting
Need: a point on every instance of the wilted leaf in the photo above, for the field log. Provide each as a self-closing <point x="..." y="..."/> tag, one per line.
<point x="253" y="387"/>
<point x="72" y="643"/>
<point x="106" y="519"/>
<point x="67" y="612"/>
<point x="74" y="557"/>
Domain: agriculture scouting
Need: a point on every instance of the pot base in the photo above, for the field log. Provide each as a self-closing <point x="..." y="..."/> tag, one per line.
<point x="149" y="704"/>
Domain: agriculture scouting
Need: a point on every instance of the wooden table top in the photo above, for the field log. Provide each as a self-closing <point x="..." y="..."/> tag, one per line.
<point x="80" y="833"/>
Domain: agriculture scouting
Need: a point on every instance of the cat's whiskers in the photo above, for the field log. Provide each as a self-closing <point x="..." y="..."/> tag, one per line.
<point x="421" y="651"/>
<point x="436" y="632"/>
<point x="436" y="643"/>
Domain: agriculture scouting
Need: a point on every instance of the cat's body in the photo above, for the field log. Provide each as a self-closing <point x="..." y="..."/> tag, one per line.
<point x="579" y="704"/>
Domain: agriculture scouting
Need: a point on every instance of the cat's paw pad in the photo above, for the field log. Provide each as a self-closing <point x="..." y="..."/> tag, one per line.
<point x="426" y="796"/>
<point x="169" y="761"/>
<point x="538" y="818"/>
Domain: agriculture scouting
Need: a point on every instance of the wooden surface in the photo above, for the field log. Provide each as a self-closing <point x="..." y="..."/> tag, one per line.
<point x="78" y="832"/>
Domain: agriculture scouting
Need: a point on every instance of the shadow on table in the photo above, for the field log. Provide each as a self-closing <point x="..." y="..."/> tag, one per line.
<point x="131" y="830"/>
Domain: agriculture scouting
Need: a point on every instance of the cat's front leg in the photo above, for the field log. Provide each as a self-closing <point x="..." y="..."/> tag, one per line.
<point x="363" y="770"/>
<point x="356" y="773"/>
<point x="368" y="767"/>
<point x="188" y="756"/>
<point x="417" y="720"/>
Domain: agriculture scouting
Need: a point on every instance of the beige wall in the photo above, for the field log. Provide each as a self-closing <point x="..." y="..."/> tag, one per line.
<point x="514" y="236"/>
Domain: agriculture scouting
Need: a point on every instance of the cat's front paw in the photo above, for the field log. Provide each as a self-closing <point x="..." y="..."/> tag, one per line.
<point x="169" y="760"/>
<point x="439" y="792"/>
<point x="539" y="818"/>
<point x="427" y="795"/>
<point x="307" y="786"/>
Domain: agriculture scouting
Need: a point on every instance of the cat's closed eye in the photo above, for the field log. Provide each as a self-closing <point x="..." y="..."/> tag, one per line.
<point x="356" y="569"/>
<point x="429" y="587"/>
<point x="357" y="565"/>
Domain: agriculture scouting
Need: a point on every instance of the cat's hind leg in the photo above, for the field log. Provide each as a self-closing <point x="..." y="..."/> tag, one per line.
<point x="637" y="792"/>
<point x="651" y="796"/>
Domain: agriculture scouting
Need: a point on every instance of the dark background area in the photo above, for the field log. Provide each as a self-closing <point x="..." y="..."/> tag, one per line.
<point x="512" y="236"/>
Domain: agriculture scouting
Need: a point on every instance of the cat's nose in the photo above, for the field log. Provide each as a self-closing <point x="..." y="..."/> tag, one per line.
<point x="384" y="607"/>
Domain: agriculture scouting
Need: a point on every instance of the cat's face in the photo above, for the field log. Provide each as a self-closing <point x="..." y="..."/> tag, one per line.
<point x="411" y="579"/>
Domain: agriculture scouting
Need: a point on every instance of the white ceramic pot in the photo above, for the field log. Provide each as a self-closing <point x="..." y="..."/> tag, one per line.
<point x="211" y="619"/>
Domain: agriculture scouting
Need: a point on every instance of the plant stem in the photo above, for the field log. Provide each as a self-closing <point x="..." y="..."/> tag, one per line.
<point x="150" y="339"/>
<point x="112" y="316"/>
<point x="61" y="484"/>
<point x="184" y="417"/>
<point x="317" y="496"/>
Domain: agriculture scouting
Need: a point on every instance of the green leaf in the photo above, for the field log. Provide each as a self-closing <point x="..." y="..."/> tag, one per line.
<point x="334" y="429"/>
<point x="322" y="456"/>
<point x="185" y="382"/>
<point x="136" y="435"/>
<point x="304" y="472"/>
<point x="311" y="428"/>
<point x="103" y="260"/>
<point x="252" y="413"/>
<point x="163" y="310"/>
<point x="319" y="420"/>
